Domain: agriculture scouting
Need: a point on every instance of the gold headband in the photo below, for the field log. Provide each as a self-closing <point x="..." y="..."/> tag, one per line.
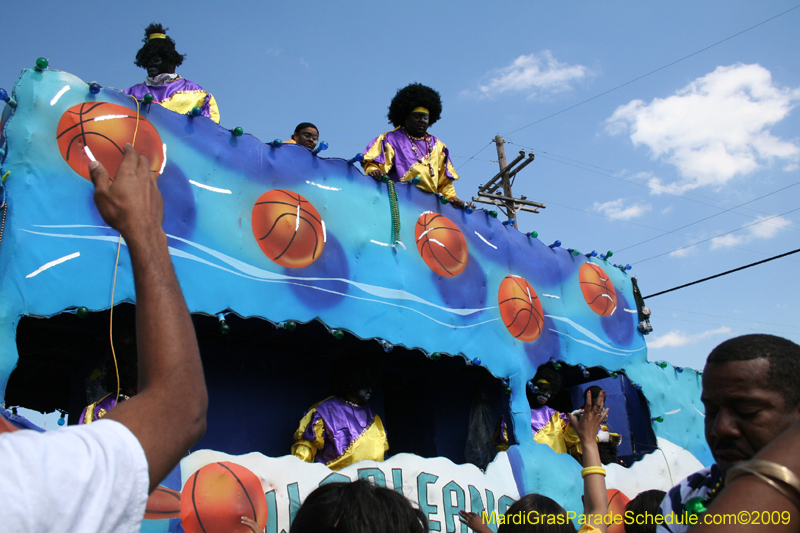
<point x="543" y="381"/>
<point x="157" y="36"/>
<point x="421" y="110"/>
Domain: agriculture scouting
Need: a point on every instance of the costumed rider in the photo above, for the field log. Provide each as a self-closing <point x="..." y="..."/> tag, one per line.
<point x="607" y="442"/>
<point x="159" y="57"/>
<point x="128" y="369"/>
<point x="409" y="151"/>
<point x="305" y="134"/>
<point x="548" y="425"/>
<point x="342" y="429"/>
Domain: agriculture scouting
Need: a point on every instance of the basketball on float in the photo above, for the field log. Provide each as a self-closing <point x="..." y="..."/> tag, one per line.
<point x="216" y="497"/>
<point x="288" y="228"/>
<point x="441" y="244"/>
<point x="520" y="308"/>
<point x="163" y="503"/>
<point x="598" y="291"/>
<point x="99" y="130"/>
<point x="617" y="501"/>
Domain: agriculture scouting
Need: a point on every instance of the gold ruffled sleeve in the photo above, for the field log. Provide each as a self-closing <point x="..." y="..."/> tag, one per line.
<point x="379" y="156"/>
<point x="305" y="449"/>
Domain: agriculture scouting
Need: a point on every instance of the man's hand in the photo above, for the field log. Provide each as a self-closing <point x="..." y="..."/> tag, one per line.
<point x="377" y="174"/>
<point x="593" y="415"/>
<point x="473" y="520"/>
<point x="457" y="202"/>
<point x="131" y="203"/>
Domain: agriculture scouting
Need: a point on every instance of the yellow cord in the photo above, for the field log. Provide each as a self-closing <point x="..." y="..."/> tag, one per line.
<point x="114" y="284"/>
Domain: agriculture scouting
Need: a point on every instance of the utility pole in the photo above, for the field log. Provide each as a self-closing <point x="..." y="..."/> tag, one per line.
<point x="487" y="194"/>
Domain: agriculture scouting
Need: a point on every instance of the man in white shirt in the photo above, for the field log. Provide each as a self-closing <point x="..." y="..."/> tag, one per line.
<point x="96" y="478"/>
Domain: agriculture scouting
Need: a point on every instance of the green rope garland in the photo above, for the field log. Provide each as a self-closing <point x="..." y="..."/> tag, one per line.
<point x="394" y="209"/>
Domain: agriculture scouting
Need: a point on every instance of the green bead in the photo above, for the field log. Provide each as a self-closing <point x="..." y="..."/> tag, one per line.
<point x="659" y="419"/>
<point x="224" y="328"/>
<point x="435" y="356"/>
<point x="443" y="199"/>
<point x="663" y="364"/>
<point x="493" y="214"/>
<point x="507" y="389"/>
<point x="609" y="254"/>
<point x="557" y="366"/>
<point x="41" y="63"/>
<point x="576" y="253"/>
<point x="338" y="334"/>
<point x="613" y="375"/>
<point x="148" y="98"/>
<point x="238" y="131"/>
<point x="290" y="325"/>
<point x="533" y="234"/>
<point x="82" y="312"/>
<point x="696" y="506"/>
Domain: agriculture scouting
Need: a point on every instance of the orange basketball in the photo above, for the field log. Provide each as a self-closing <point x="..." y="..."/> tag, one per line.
<point x="597" y="289"/>
<point x="441" y="244"/>
<point x="520" y="308"/>
<point x="216" y="497"/>
<point x="616" y="508"/>
<point x="288" y="228"/>
<point x="102" y="129"/>
<point x="163" y="503"/>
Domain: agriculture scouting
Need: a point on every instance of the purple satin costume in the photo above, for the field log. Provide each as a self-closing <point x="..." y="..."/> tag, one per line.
<point x="404" y="156"/>
<point x="344" y="423"/>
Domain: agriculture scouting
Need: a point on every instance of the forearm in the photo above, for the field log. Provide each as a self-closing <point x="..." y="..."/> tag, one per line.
<point x="594" y="485"/>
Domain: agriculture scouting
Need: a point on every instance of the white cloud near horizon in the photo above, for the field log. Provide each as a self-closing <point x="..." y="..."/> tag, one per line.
<point x="676" y="339"/>
<point x="616" y="209"/>
<point x="716" y="128"/>
<point x="763" y="228"/>
<point x="533" y="75"/>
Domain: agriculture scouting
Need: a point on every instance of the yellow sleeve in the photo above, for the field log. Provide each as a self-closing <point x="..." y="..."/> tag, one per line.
<point x="376" y="149"/>
<point x="305" y="449"/>
<point x="445" y="186"/>
<point x="213" y="108"/>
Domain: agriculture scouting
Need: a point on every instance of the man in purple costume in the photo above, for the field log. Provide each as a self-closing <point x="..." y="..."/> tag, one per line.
<point x="342" y="429"/>
<point x="159" y="57"/>
<point x="409" y="152"/>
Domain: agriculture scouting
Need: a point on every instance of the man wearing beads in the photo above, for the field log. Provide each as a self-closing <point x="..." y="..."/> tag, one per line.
<point x="750" y="395"/>
<point x="159" y="57"/>
<point x="409" y="151"/>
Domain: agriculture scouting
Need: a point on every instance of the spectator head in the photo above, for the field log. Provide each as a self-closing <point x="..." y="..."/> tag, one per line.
<point x="525" y="514"/>
<point x="357" y="507"/>
<point x="751" y="394"/>
<point x="643" y="508"/>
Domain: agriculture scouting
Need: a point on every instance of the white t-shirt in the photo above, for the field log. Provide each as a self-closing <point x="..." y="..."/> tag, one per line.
<point x="91" y="478"/>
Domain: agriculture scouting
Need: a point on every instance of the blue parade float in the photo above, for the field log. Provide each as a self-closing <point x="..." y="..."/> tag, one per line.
<point x="288" y="261"/>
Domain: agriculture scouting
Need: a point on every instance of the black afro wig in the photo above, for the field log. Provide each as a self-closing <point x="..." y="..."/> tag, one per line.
<point x="410" y="97"/>
<point x="164" y="48"/>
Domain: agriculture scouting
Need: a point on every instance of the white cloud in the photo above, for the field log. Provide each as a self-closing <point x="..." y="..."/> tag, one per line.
<point x="616" y="209"/>
<point x="715" y="128"/>
<point x="763" y="228"/>
<point x="533" y="75"/>
<point x="675" y="338"/>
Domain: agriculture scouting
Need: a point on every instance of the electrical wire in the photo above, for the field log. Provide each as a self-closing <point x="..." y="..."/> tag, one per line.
<point x="717" y="236"/>
<point x="657" y="307"/>
<point x="724" y="273"/>
<point x="653" y="71"/>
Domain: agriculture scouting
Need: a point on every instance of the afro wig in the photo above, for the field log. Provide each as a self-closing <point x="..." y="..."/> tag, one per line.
<point x="164" y="48"/>
<point x="410" y="97"/>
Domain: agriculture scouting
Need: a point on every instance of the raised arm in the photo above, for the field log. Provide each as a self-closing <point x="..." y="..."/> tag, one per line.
<point x="595" y="497"/>
<point x="168" y="415"/>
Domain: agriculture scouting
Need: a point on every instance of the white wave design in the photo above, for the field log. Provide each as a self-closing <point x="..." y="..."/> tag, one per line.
<point x="247" y="271"/>
<point x="591" y="335"/>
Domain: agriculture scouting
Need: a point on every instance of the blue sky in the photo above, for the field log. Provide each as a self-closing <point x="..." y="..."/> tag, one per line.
<point x="684" y="173"/>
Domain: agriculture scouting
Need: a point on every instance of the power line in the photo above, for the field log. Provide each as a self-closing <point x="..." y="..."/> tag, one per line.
<point x="724" y="273"/>
<point x="716" y="236"/>
<point x="476" y="153"/>
<point x="656" y="307"/>
<point x="653" y="71"/>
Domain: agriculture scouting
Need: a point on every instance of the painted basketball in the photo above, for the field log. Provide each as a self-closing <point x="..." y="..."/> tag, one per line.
<point x="597" y="289"/>
<point x="163" y="503"/>
<point x="288" y="228"/>
<point x="216" y="497"/>
<point x="441" y="244"/>
<point x="616" y="508"/>
<point x="520" y="308"/>
<point x="99" y="130"/>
